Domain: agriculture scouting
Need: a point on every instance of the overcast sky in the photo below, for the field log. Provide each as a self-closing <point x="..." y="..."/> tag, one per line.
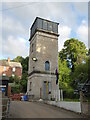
<point x="17" y="17"/>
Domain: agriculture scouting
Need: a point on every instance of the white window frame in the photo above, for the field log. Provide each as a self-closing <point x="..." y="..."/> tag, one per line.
<point x="4" y="74"/>
<point x="4" y="68"/>
<point x="13" y="69"/>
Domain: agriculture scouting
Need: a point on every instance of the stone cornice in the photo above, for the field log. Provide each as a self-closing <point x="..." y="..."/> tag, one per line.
<point x="41" y="72"/>
<point x="44" y="31"/>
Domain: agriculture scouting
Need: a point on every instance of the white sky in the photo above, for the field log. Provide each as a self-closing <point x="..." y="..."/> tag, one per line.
<point x="17" y="17"/>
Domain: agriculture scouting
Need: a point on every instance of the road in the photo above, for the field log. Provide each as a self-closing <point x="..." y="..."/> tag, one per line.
<point x="22" y="109"/>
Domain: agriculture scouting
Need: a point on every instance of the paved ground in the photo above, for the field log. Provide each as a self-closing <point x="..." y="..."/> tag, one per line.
<point x="21" y="109"/>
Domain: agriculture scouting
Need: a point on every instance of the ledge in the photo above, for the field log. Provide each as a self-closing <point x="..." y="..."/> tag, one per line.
<point x="41" y="72"/>
<point x="44" y="31"/>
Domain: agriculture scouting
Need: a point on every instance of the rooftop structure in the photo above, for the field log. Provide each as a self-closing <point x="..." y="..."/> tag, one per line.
<point x="44" y="25"/>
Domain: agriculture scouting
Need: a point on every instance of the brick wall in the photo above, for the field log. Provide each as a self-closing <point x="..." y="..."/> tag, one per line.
<point x="9" y="72"/>
<point x="18" y="72"/>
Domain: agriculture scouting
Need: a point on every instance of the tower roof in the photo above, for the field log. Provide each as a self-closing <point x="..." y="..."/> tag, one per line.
<point x="44" y="25"/>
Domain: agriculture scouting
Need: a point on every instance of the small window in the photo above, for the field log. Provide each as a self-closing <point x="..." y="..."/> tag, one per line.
<point x="13" y="69"/>
<point x="49" y="26"/>
<point x="45" y="25"/>
<point x="30" y="86"/>
<point x="40" y="23"/>
<point x="4" y="74"/>
<point x="4" y="68"/>
<point x="32" y="47"/>
<point x="55" y="28"/>
<point x="47" y="65"/>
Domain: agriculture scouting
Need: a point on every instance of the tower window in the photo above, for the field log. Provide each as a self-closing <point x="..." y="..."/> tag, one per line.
<point x="45" y="25"/>
<point x="32" y="47"/>
<point x="47" y="65"/>
<point x="49" y="26"/>
<point x="30" y="86"/>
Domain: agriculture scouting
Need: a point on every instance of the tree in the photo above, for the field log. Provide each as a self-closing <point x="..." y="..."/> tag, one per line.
<point x="64" y="73"/>
<point x="23" y="82"/>
<point x="24" y="74"/>
<point x="64" y="79"/>
<point x="18" y="59"/>
<point x="11" y="80"/>
<point x="89" y="52"/>
<point x="15" y="89"/>
<point x="73" y="50"/>
<point x="24" y="63"/>
<point x="81" y="73"/>
<point x="14" y="79"/>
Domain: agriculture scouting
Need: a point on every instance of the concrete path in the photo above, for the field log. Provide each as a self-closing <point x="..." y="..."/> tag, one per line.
<point x="22" y="109"/>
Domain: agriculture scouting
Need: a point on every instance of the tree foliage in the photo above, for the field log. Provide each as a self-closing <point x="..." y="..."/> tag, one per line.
<point x="73" y="56"/>
<point x="64" y="72"/>
<point x="74" y="50"/>
<point x="15" y="89"/>
<point x="24" y="63"/>
<point x="18" y="59"/>
<point x="64" y="79"/>
<point x="81" y="73"/>
<point x="14" y="79"/>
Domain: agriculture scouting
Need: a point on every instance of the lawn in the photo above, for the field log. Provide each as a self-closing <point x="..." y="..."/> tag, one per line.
<point x="71" y="100"/>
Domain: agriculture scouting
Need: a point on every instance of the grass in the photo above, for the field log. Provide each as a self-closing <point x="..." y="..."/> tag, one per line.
<point x="89" y="100"/>
<point x="71" y="100"/>
<point x="74" y="100"/>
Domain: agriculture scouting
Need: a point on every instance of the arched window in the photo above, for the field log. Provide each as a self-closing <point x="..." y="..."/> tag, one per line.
<point x="47" y="65"/>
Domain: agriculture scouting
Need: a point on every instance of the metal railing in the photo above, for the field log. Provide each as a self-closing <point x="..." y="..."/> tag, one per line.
<point x="5" y="106"/>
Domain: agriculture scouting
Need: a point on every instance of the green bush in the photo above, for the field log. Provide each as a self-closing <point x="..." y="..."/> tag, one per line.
<point x="69" y="93"/>
<point x="15" y="89"/>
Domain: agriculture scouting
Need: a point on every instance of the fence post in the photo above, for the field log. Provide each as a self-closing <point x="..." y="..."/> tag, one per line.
<point x="59" y="95"/>
<point x="62" y="94"/>
<point x="56" y="95"/>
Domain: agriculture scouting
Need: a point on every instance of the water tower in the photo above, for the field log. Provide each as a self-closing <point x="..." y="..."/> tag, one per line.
<point x="43" y="59"/>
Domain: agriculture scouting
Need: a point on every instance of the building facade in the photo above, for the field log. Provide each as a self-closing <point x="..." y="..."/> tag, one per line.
<point x="43" y="59"/>
<point x="9" y="68"/>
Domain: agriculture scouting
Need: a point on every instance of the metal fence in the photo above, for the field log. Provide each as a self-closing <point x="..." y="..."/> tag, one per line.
<point x="5" y="106"/>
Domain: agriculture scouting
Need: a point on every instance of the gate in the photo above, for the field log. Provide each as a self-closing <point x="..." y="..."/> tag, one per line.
<point x="5" y="107"/>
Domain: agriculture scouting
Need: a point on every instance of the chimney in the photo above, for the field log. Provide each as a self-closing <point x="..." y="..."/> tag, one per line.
<point x="8" y="59"/>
